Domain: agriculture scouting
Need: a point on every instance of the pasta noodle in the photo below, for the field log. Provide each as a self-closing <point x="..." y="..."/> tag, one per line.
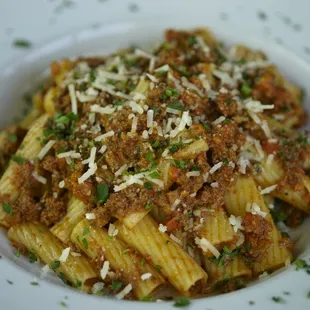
<point x="164" y="252"/>
<point x="99" y="244"/>
<point x="40" y="242"/>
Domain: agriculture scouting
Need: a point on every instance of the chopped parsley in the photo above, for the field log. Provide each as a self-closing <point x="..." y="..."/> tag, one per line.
<point x="308" y="295"/>
<point x="92" y="76"/>
<point x="246" y="90"/>
<point x="34" y="283"/>
<point x="10" y="282"/>
<point x="85" y="231"/>
<point x="146" y="298"/>
<point x="85" y="243"/>
<point x="12" y="137"/>
<point x="148" y="185"/>
<point x="148" y="206"/>
<point x="225" y="257"/>
<point x="32" y="257"/>
<point x="22" y="43"/>
<point x="19" y="159"/>
<point x="78" y="283"/>
<point x="182" y="301"/>
<point x="143" y="262"/>
<point x="102" y="192"/>
<point x="149" y="156"/>
<point x="251" y="302"/>
<point x="118" y="102"/>
<point x="176" y="105"/>
<point x="278" y="299"/>
<point x="300" y="264"/>
<point x="7" y="208"/>
<point x="54" y="265"/>
<point x="158" y="268"/>
<point x="191" y="40"/>
<point x="63" y="304"/>
<point x="180" y="163"/>
<point x="155" y="175"/>
<point x="116" y="285"/>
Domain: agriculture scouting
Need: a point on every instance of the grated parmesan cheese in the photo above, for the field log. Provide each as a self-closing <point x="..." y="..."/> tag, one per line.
<point x="91" y="171"/>
<point x="236" y="222"/>
<point x="164" y="68"/>
<point x="102" y="149"/>
<point x="206" y="246"/>
<point x="215" y="184"/>
<point x="175" y="204"/>
<point x="256" y="106"/>
<point x="61" y="184"/>
<point x="112" y="231"/>
<point x="64" y="255"/>
<point x="121" y="170"/>
<point x="219" y="120"/>
<point x="216" y="167"/>
<point x="39" y="178"/>
<point x="145" y="134"/>
<point x="124" y="292"/>
<point x="255" y="209"/>
<point x="105" y="269"/>
<point x="193" y="174"/>
<point x="97" y="287"/>
<point x="101" y="110"/>
<point x="152" y="78"/>
<point x="136" y="107"/>
<point x="90" y="216"/>
<point x="146" y="276"/>
<point x="46" y="149"/>
<point x="73" y="98"/>
<point x="175" y="239"/>
<point x="192" y="86"/>
<point x="105" y="135"/>
<point x="162" y="228"/>
<point x="268" y="189"/>
<point x="149" y="119"/>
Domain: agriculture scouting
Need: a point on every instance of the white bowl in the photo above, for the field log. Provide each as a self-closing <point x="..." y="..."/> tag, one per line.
<point x="26" y="72"/>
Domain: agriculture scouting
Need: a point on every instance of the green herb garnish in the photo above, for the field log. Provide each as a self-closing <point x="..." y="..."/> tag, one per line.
<point x="19" y="159"/>
<point x="54" y="265"/>
<point x="148" y="185"/>
<point x="7" y="208"/>
<point x="85" y="243"/>
<point x="278" y="299"/>
<point x="12" y="137"/>
<point x="116" y="285"/>
<point x="22" y="43"/>
<point x="102" y="192"/>
<point x="300" y="264"/>
<point x="177" y="105"/>
<point x="246" y="89"/>
<point x="182" y="301"/>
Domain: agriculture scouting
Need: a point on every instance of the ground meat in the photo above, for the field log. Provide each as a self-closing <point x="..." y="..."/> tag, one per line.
<point x="226" y="105"/>
<point x="123" y="203"/>
<point x="258" y="233"/>
<point x="268" y="91"/>
<point x="295" y="217"/>
<point x="124" y="149"/>
<point x="222" y="141"/>
<point x="27" y="208"/>
<point x="54" y="209"/>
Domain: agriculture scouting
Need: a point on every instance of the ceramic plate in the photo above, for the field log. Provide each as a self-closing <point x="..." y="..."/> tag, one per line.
<point x="72" y="28"/>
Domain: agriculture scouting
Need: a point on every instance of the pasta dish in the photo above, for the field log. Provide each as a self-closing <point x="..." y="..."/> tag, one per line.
<point x="158" y="175"/>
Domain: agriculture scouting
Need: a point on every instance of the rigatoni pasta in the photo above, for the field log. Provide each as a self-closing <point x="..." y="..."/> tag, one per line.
<point x="141" y="170"/>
